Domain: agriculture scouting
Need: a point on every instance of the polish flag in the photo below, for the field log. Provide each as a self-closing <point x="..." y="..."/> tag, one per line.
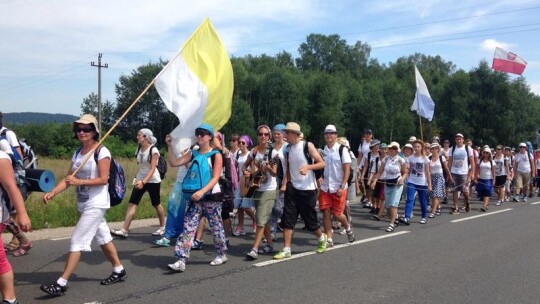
<point x="508" y="62"/>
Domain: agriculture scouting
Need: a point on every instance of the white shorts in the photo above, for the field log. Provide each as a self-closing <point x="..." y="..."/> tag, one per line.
<point x="91" y="225"/>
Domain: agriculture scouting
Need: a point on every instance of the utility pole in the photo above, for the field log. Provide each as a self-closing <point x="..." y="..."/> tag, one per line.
<point x="99" y="66"/>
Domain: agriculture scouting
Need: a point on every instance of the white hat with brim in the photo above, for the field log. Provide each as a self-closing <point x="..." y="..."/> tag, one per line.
<point x="87" y="119"/>
<point x="293" y="127"/>
<point x="393" y="144"/>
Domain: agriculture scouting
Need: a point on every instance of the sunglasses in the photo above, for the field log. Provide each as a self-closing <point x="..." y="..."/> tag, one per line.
<point x="241" y="143"/>
<point x="234" y="140"/>
<point x="264" y="134"/>
<point x="392" y="148"/>
<point x="499" y="149"/>
<point x="330" y="133"/>
<point x="201" y="133"/>
<point x="85" y="130"/>
<point x="486" y="152"/>
<point x="523" y="147"/>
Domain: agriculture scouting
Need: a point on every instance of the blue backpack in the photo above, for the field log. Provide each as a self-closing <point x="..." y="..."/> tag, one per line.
<point x="199" y="173"/>
<point x="117" y="179"/>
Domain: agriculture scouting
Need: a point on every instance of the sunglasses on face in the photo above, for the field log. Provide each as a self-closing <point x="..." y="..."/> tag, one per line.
<point x="241" y="143"/>
<point x="499" y="149"/>
<point x="330" y="133"/>
<point x="84" y="129"/>
<point x="201" y="133"/>
<point x="234" y="140"/>
<point x="264" y="134"/>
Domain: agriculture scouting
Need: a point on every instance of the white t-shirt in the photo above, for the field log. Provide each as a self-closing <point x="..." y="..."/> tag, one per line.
<point x="333" y="168"/>
<point x="523" y="162"/>
<point x="485" y="169"/>
<point x="297" y="159"/>
<point x="4" y="146"/>
<point x="241" y="160"/>
<point x="11" y="137"/>
<point x="417" y="171"/>
<point x="392" y="166"/>
<point x="500" y="168"/>
<point x="364" y="149"/>
<point x="4" y="211"/>
<point x="144" y="166"/>
<point x="435" y="166"/>
<point x="270" y="182"/>
<point x="91" y="196"/>
<point x="460" y="160"/>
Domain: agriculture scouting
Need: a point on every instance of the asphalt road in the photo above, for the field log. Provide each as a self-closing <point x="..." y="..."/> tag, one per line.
<point x="473" y="257"/>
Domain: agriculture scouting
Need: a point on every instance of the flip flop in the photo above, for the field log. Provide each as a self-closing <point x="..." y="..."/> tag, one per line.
<point x="23" y="249"/>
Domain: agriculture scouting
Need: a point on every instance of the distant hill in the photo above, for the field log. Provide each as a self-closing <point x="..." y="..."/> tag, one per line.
<point x="37" y="118"/>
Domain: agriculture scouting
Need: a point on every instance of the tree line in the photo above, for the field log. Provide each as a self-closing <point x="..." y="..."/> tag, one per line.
<point x="333" y="82"/>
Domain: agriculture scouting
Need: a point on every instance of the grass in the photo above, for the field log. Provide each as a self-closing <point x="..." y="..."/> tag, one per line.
<point x="61" y="211"/>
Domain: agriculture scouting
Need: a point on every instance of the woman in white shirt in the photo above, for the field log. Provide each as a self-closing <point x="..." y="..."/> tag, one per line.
<point x="419" y="181"/>
<point x="243" y="204"/>
<point x="92" y="202"/>
<point x="147" y="179"/>
<point x="502" y="168"/>
<point x="485" y="177"/>
<point x="437" y="167"/>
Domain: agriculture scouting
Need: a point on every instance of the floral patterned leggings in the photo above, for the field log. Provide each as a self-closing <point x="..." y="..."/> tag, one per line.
<point x="212" y="211"/>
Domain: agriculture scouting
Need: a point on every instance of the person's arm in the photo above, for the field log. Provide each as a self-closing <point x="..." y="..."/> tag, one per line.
<point x="102" y="178"/>
<point x="184" y="158"/>
<point x="377" y="175"/>
<point x="427" y="172"/>
<point x="246" y="165"/>
<point x="533" y="168"/>
<point x="17" y="201"/>
<point x="404" y="174"/>
<point x="472" y="162"/>
<point x="61" y="186"/>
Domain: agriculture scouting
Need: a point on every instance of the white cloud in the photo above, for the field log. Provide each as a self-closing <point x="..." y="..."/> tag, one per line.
<point x="535" y="88"/>
<point x="491" y="44"/>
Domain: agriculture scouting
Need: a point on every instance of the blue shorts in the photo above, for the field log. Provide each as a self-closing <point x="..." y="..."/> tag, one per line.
<point x="484" y="187"/>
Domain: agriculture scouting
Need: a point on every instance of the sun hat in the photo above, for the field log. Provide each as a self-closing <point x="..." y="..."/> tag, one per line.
<point x="293" y="127"/>
<point x="393" y="144"/>
<point x="87" y="119"/>
<point x="408" y="146"/>
<point x="412" y="138"/>
<point x="486" y="149"/>
<point x="434" y="145"/>
<point x="374" y="143"/>
<point x="330" y="129"/>
<point x="524" y="145"/>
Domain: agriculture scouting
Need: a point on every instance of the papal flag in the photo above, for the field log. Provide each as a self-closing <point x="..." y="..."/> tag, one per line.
<point x="423" y="104"/>
<point x="508" y="62"/>
<point x="197" y="85"/>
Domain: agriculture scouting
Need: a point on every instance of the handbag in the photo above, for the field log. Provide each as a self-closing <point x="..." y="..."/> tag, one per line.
<point x="392" y="182"/>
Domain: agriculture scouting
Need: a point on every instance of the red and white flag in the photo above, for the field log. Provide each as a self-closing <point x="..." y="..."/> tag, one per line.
<point x="508" y="62"/>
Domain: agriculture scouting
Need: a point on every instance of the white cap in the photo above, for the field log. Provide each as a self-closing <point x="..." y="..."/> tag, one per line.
<point x="412" y="138"/>
<point x="523" y="145"/>
<point x="330" y="129"/>
<point x="459" y="135"/>
<point x="408" y="146"/>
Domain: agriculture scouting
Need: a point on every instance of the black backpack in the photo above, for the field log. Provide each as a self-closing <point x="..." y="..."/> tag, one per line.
<point x="161" y="164"/>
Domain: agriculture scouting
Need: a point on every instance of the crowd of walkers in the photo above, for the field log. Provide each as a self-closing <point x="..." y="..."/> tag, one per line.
<point x="277" y="180"/>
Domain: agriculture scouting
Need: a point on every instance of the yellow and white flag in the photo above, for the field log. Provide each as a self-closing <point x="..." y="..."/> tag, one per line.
<point x="197" y="85"/>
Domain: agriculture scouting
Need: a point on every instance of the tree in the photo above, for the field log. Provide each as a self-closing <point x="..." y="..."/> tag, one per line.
<point x="90" y="105"/>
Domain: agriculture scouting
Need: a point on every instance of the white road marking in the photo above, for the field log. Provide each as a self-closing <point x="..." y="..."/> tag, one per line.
<point x="300" y="255"/>
<point x="480" y="215"/>
<point x="535" y="203"/>
<point x="62" y="238"/>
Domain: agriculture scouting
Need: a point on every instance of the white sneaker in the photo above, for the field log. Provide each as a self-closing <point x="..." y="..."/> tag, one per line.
<point x="120" y="232"/>
<point x="178" y="266"/>
<point x="498" y="203"/>
<point x="219" y="260"/>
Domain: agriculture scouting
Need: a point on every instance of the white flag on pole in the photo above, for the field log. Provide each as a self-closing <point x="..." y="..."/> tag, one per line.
<point x="423" y="104"/>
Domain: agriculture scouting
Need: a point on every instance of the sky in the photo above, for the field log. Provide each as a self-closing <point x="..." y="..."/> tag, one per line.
<point x="47" y="47"/>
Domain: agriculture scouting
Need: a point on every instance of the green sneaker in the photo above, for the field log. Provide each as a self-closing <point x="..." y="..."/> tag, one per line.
<point x="282" y="255"/>
<point x="322" y="244"/>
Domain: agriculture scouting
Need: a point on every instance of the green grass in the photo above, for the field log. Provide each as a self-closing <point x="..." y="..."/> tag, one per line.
<point x="62" y="210"/>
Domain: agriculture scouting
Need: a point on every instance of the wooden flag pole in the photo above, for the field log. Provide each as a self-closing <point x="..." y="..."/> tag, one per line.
<point x="421" y="132"/>
<point x="114" y="126"/>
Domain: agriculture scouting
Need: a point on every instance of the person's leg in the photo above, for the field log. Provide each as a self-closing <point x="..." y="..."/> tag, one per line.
<point x="191" y="223"/>
<point x="7" y="285"/>
<point x="409" y="205"/>
<point x="422" y="197"/>
<point x="155" y="197"/>
<point x="130" y="215"/>
<point x="212" y="211"/>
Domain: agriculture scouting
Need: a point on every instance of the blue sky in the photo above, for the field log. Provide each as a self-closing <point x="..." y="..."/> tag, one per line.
<point x="47" y="46"/>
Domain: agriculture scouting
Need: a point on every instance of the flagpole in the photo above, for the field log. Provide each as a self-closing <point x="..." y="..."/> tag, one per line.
<point x="114" y="126"/>
<point x="419" y="117"/>
<point x="421" y="132"/>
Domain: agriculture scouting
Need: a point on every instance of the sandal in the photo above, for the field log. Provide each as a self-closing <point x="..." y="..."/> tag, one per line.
<point x="12" y="246"/>
<point x="23" y="249"/>
<point x="159" y="232"/>
<point x="390" y="228"/>
<point x="431" y="215"/>
<point x="219" y="260"/>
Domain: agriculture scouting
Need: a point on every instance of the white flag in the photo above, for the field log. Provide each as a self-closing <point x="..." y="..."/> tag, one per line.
<point x="423" y="104"/>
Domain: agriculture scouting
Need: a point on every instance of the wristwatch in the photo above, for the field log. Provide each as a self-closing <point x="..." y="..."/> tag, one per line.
<point x="342" y="187"/>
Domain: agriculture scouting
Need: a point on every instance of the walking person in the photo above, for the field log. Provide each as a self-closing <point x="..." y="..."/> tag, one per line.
<point x="363" y="150"/>
<point x="419" y="182"/>
<point x="438" y="170"/>
<point x="395" y="169"/>
<point x="243" y="204"/>
<point x="301" y="192"/>
<point x="485" y="178"/>
<point x="334" y="184"/>
<point x="93" y="200"/>
<point x="10" y="197"/>
<point x="378" y="191"/>
<point x="461" y="163"/>
<point x="263" y="157"/>
<point x="501" y="173"/>
<point x="147" y="179"/>
<point x="524" y="170"/>
<point x="201" y="189"/>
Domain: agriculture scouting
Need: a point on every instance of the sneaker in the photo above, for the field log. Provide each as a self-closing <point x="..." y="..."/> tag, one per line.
<point x="351" y="236"/>
<point x="321" y="247"/>
<point x="239" y="232"/>
<point x="438" y="212"/>
<point x="524" y="199"/>
<point x="467" y="207"/>
<point x="329" y="243"/>
<point x="405" y="220"/>
<point x="266" y="249"/>
<point x="454" y="211"/>
<point x="483" y="209"/>
<point x="197" y="245"/>
<point x="14" y="302"/>
<point x="115" y="277"/>
<point x="431" y="215"/>
<point x="178" y="266"/>
<point x="163" y="242"/>
<point x="119" y="232"/>
<point x="220" y="259"/>
<point x="252" y="255"/>
<point x="515" y="199"/>
<point x="423" y="221"/>
<point x="159" y="232"/>
<point x="54" y="289"/>
<point x="283" y="254"/>
<point x="342" y="232"/>
<point x="498" y="203"/>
